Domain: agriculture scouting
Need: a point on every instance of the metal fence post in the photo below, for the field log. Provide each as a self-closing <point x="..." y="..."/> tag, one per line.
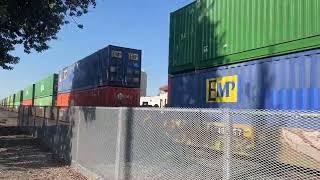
<point x="227" y="160"/>
<point x="28" y="118"/>
<point x="35" y="115"/>
<point x="44" y="116"/>
<point x="18" y="119"/>
<point x="57" y="116"/>
<point x="22" y="118"/>
<point x="119" y="143"/>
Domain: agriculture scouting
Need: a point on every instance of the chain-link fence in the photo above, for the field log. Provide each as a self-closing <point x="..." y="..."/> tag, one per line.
<point x="125" y="143"/>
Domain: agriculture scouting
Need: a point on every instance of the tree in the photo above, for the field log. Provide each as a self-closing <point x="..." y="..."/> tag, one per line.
<point x="33" y="23"/>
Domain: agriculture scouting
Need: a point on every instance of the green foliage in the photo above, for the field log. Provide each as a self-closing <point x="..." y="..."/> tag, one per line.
<point x="33" y="23"/>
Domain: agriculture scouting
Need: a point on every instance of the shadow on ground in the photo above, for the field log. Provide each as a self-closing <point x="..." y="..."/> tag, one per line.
<point x="22" y="152"/>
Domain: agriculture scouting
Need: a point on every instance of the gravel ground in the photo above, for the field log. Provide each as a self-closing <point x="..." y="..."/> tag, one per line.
<point x="8" y="119"/>
<point x="21" y="158"/>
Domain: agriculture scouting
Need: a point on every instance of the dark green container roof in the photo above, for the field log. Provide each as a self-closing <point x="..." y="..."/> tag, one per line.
<point x="46" y="87"/>
<point x="210" y="33"/>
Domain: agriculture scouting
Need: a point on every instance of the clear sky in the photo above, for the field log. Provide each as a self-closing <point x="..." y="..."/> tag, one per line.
<point x="141" y="24"/>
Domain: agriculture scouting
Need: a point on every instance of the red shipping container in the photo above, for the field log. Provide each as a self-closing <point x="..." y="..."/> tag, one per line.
<point x="63" y="99"/>
<point x="103" y="96"/>
<point x="119" y="97"/>
<point x="88" y="97"/>
<point x="28" y="102"/>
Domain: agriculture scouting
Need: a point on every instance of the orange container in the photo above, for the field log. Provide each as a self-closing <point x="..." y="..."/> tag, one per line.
<point x="63" y="99"/>
<point x="28" y="102"/>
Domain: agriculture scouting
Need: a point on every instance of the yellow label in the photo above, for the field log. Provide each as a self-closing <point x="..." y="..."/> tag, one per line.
<point x="222" y="89"/>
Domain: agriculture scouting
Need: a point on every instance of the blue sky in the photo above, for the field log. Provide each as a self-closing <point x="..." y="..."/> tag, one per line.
<point x="142" y="24"/>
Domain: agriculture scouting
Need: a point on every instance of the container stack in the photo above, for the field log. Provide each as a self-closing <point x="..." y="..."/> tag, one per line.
<point x="8" y="101"/>
<point x="45" y="91"/>
<point x="28" y="96"/>
<point x="243" y="54"/>
<point x="11" y="101"/>
<point x="18" y="99"/>
<point x="3" y="102"/>
<point x="108" y="77"/>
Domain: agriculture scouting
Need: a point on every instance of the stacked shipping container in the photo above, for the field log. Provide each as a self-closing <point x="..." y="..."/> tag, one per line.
<point x="8" y="101"/>
<point x="287" y="82"/>
<point x="3" y="102"/>
<point x="210" y="33"/>
<point x="45" y="91"/>
<point x="247" y="54"/>
<point x="108" y="77"/>
<point x="28" y="96"/>
<point x="11" y="100"/>
<point x="18" y="99"/>
<point x="204" y="36"/>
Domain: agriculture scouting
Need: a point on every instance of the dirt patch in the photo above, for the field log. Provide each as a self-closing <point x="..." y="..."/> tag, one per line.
<point x="22" y="158"/>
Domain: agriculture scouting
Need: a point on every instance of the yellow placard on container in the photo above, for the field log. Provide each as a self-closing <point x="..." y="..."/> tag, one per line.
<point x="222" y="89"/>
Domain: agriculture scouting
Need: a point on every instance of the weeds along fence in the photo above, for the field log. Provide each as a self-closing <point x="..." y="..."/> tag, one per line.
<point x="147" y="143"/>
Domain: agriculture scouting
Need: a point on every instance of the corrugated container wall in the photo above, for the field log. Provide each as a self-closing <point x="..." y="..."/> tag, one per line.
<point x="210" y="33"/>
<point x="289" y="82"/>
<point x="46" y="87"/>
<point x="11" y="101"/>
<point x="110" y="66"/>
<point x="8" y="101"/>
<point x="45" y="101"/>
<point x="28" y="92"/>
<point x="28" y="102"/>
<point x="18" y="98"/>
<point x="102" y="96"/>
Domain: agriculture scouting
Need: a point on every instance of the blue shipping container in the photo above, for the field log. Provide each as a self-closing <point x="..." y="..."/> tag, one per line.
<point x="110" y="66"/>
<point x="289" y="82"/>
<point x="133" y="68"/>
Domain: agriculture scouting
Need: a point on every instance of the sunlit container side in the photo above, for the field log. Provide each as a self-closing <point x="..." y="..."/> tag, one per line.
<point x="45" y="101"/>
<point x="46" y="87"/>
<point x="210" y="33"/>
<point x="8" y="101"/>
<point x="289" y="82"/>
<point x="28" y="95"/>
<point x="18" y="98"/>
<point x="11" y="100"/>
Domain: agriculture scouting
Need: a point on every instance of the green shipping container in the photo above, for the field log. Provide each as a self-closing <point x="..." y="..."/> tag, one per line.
<point x="210" y="33"/>
<point x="8" y="101"/>
<point x="46" y="87"/>
<point x="28" y="93"/>
<point x="11" y="100"/>
<point x="18" y="98"/>
<point x="45" y="101"/>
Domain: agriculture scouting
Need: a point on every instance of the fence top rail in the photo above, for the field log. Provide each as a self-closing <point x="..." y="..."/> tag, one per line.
<point x="298" y="113"/>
